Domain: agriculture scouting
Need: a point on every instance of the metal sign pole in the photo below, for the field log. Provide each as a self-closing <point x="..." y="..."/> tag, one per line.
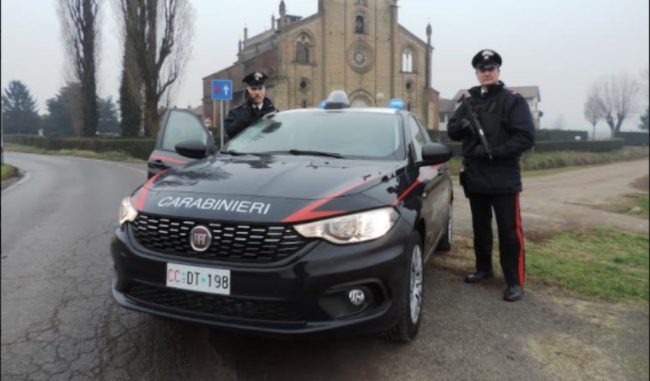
<point x="221" y="91"/>
<point x="221" y="128"/>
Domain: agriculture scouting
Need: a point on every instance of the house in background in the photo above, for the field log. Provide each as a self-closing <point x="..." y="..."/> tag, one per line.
<point x="447" y="108"/>
<point x="530" y="93"/>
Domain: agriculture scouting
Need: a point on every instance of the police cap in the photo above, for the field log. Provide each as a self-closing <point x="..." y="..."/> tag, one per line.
<point x="255" y="78"/>
<point x="486" y="59"/>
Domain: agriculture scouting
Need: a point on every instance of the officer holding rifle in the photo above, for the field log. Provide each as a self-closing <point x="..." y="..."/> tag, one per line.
<point x="496" y="127"/>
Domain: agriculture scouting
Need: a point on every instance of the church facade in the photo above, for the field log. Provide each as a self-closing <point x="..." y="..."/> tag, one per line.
<point x="352" y="45"/>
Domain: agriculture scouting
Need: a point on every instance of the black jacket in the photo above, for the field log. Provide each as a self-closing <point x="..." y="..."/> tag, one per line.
<point x="509" y="129"/>
<point x="244" y="115"/>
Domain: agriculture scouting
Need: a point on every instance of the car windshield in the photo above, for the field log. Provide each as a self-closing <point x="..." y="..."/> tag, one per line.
<point x="358" y="134"/>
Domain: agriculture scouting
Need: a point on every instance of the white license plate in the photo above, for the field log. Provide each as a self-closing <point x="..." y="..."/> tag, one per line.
<point x="193" y="278"/>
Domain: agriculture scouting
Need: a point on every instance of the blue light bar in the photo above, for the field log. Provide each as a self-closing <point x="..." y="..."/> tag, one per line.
<point x="396" y="103"/>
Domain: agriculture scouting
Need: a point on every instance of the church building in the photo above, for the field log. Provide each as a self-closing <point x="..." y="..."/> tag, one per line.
<point x="353" y="45"/>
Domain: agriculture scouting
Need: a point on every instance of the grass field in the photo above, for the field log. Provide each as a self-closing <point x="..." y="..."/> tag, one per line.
<point x="111" y="155"/>
<point x="548" y="163"/>
<point x="606" y="264"/>
<point x="8" y="171"/>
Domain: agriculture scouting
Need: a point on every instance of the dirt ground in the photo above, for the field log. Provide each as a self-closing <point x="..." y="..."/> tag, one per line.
<point x="611" y="340"/>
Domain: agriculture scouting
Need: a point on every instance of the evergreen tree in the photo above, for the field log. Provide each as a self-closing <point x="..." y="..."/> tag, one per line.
<point x="108" y="123"/>
<point x="59" y="121"/>
<point x="19" y="111"/>
<point x="130" y="109"/>
<point x="644" y="120"/>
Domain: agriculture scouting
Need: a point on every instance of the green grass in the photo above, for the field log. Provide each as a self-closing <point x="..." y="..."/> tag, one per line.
<point x="547" y="163"/>
<point x="606" y="263"/>
<point x="8" y="171"/>
<point x="109" y="155"/>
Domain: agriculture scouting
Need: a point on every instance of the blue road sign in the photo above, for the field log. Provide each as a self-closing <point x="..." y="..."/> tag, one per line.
<point x="221" y="90"/>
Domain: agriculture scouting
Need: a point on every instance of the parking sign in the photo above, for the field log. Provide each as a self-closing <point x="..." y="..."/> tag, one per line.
<point x="221" y="90"/>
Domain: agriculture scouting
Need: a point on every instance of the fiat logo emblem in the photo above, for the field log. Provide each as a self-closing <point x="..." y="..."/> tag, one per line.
<point x="200" y="238"/>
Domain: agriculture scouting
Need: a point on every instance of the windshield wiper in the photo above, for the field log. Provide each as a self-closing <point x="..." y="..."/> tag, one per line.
<point x="315" y="153"/>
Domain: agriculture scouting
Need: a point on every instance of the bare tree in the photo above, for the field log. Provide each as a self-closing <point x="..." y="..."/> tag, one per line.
<point x="617" y="98"/>
<point x="79" y="19"/>
<point x="593" y="112"/>
<point x="159" y="32"/>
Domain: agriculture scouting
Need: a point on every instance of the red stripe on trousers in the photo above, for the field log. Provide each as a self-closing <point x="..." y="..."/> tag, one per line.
<point x="520" y="235"/>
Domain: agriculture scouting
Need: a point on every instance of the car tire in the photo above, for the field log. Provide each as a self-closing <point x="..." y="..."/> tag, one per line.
<point x="444" y="245"/>
<point x="411" y="305"/>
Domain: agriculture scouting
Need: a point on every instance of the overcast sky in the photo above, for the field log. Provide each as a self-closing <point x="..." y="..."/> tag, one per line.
<point x="562" y="46"/>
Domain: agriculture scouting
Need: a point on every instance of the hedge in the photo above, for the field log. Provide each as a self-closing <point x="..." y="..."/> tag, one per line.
<point x="633" y="138"/>
<point x="578" y="145"/>
<point x="139" y="148"/>
<point x="542" y="135"/>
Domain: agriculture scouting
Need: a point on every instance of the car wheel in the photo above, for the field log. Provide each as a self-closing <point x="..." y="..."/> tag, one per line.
<point x="445" y="241"/>
<point x="411" y="315"/>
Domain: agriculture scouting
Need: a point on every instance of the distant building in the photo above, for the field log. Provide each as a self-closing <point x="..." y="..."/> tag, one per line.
<point x="447" y="108"/>
<point x="354" y="45"/>
<point x="530" y="93"/>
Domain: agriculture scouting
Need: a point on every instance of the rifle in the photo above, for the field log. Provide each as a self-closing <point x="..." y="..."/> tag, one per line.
<point x="476" y="126"/>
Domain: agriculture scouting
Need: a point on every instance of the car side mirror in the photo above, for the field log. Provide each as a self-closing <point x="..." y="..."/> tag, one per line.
<point x="194" y="149"/>
<point x="434" y="153"/>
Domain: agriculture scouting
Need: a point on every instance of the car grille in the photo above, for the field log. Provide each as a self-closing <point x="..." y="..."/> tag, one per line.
<point x="215" y="305"/>
<point x="230" y="242"/>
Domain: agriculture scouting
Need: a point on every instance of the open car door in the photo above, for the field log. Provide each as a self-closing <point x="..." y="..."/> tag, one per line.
<point x="178" y="125"/>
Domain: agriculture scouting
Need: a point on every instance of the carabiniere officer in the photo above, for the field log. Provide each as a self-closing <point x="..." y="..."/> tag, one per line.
<point x="491" y="177"/>
<point x="255" y="105"/>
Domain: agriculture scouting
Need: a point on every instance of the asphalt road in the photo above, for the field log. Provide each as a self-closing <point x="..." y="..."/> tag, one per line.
<point x="59" y="320"/>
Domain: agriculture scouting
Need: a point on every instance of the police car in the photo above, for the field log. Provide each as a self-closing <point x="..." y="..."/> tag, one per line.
<point x="310" y="220"/>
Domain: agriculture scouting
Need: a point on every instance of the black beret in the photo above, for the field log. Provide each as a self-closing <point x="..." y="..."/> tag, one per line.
<point x="486" y="58"/>
<point x="255" y="78"/>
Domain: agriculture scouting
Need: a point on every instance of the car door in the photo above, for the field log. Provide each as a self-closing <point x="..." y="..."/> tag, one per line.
<point x="435" y="196"/>
<point x="177" y="126"/>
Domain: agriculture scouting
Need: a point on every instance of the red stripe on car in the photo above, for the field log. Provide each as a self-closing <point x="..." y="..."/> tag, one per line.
<point x="141" y="197"/>
<point x="155" y="156"/>
<point x="308" y="213"/>
<point x="425" y="175"/>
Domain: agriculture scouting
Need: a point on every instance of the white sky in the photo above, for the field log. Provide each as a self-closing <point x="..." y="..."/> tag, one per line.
<point x="562" y="46"/>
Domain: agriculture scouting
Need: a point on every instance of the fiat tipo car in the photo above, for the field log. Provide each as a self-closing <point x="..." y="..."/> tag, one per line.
<point x="308" y="221"/>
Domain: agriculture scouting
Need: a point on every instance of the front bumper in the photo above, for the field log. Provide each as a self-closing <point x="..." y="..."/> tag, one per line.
<point x="307" y="293"/>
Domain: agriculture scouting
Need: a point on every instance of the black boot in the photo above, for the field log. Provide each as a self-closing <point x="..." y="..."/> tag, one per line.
<point x="513" y="293"/>
<point x="478" y="276"/>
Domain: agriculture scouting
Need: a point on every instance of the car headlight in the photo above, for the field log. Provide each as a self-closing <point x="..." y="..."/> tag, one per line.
<point x="351" y="228"/>
<point x="127" y="211"/>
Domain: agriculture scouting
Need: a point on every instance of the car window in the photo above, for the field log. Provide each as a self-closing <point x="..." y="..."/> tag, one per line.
<point x="181" y="126"/>
<point x="423" y="130"/>
<point x="361" y="134"/>
<point x="417" y="136"/>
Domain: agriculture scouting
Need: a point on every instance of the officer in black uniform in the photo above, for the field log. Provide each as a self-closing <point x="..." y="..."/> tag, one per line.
<point x="491" y="177"/>
<point x="255" y="105"/>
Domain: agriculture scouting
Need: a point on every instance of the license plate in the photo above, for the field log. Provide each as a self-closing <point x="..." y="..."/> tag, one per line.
<point x="193" y="278"/>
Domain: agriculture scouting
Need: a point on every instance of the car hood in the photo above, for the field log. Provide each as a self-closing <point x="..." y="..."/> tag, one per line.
<point x="274" y="188"/>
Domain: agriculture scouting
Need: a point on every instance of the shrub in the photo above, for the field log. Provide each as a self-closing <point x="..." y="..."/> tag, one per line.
<point x="138" y="148"/>
<point x="634" y="138"/>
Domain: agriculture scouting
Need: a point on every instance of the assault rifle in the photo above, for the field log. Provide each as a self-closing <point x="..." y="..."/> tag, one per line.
<point x="476" y="126"/>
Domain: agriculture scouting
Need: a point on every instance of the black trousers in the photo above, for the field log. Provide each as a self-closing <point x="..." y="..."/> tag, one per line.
<point x="511" y="235"/>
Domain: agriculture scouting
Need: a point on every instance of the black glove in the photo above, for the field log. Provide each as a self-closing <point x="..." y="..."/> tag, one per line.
<point x="479" y="152"/>
<point x="466" y="126"/>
